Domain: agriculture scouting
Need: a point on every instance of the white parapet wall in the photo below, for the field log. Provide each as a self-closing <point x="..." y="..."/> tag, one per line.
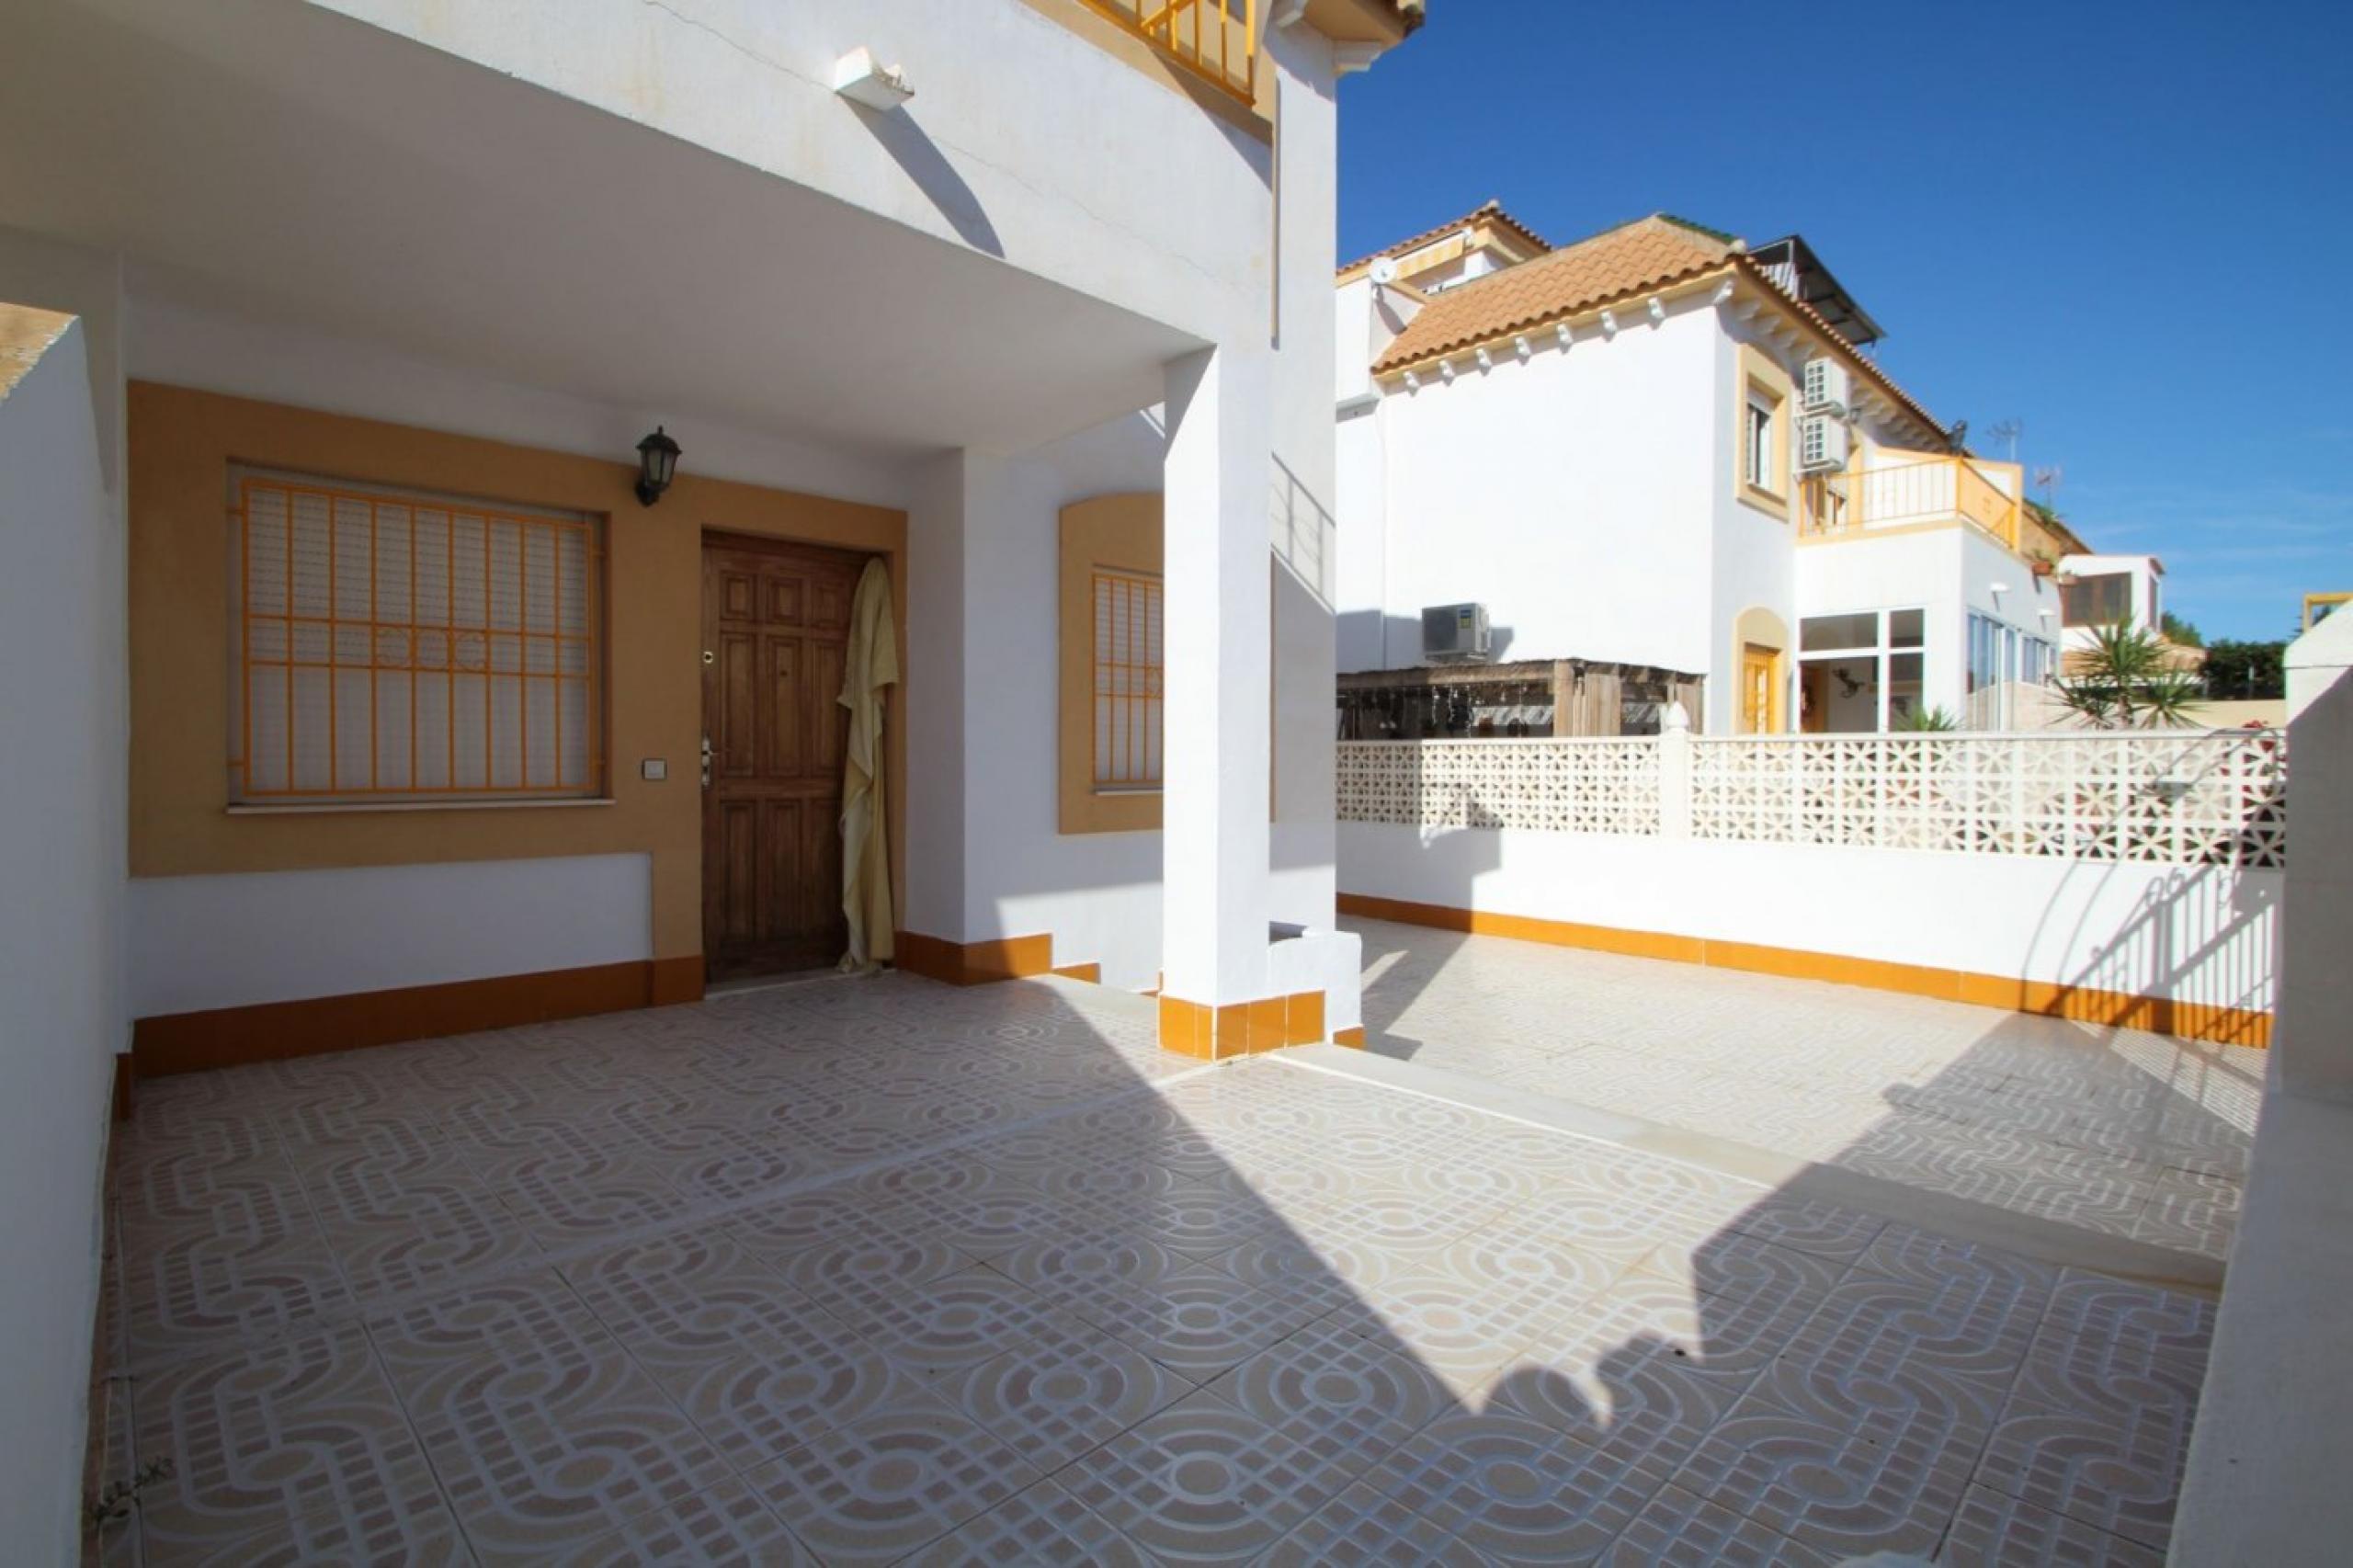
<point x="61" y="894"/>
<point x="2131" y="879"/>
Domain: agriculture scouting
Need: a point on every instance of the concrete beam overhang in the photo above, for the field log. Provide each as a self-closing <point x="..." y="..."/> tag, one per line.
<point x="273" y="160"/>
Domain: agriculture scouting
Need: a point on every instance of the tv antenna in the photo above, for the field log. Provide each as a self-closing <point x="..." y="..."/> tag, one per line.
<point x="2008" y="431"/>
<point x="2046" y="478"/>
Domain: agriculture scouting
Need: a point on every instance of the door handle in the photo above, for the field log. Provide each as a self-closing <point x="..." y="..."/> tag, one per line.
<point x="706" y="762"/>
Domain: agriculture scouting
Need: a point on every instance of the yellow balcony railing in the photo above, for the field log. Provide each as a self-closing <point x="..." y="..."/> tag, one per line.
<point x="1931" y="489"/>
<point x="1214" y="40"/>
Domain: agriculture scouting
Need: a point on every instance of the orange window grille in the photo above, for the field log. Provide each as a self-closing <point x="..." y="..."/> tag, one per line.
<point x="392" y="645"/>
<point x="1129" y="676"/>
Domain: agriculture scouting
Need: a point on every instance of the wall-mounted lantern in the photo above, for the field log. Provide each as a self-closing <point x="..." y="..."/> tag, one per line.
<point x="658" y="464"/>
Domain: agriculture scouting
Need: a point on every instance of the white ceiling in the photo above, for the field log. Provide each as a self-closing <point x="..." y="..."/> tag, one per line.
<point x="291" y="165"/>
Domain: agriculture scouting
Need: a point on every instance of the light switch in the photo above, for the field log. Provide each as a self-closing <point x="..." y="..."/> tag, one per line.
<point x="654" y="769"/>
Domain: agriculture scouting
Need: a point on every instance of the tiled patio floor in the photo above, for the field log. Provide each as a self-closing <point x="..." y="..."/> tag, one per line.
<point x="862" y="1271"/>
<point x="2116" y="1130"/>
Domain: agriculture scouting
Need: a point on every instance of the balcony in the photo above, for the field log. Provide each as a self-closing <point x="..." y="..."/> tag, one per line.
<point x="1214" y="40"/>
<point x="1919" y="492"/>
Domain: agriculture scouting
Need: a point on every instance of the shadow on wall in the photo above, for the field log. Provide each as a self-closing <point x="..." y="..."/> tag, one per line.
<point x="1307" y="539"/>
<point x="913" y="151"/>
<point x="2203" y="944"/>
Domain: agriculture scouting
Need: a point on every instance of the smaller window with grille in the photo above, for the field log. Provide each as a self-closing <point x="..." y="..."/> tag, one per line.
<point x="399" y="646"/>
<point x="1129" y="675"/>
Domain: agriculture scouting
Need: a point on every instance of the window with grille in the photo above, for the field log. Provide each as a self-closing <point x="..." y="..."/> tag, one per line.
<point x="1128" y="681"/>
<point x="394" y="645"/>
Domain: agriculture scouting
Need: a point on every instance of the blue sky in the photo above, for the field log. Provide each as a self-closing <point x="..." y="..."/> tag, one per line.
<point x="2126" y="226"/>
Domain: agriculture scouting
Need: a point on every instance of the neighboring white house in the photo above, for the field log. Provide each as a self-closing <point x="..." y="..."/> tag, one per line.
<point x="2109" y="590"/>
<point x="1657" y="460"/>
<point x="354" y="695"/>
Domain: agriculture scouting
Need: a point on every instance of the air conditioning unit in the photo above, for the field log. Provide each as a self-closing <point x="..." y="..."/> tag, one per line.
<point x="1826" y="387"/>
<point x="1455" y="632"/>
<point x="1822" y="443"/>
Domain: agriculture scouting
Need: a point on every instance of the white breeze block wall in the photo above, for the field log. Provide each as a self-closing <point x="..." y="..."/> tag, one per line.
<point x="2208" y="935"/>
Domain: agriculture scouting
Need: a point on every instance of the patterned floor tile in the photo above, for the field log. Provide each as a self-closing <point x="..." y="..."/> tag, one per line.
<point x="956" y="1322"/>
<point x="1516" y="1490"/>
<point x="775" y="1298"/>
<point x="2145" y="1318"/>
<point x="1879" y="1480"/>
<point x="1354" y="1390"/>
<point x="543" y="1442"/>
<point x="1887" y="1343"/>
<point x="296" y="1449"/>
<point x="1804" y="1225"/>
<point x="1098" y="1266"/>
<point x="565" y="1199"/>
<point x="1364" y="1526"/>
<point x="1203" y="1482"/>
<point x="2121" y="1474"/>
<point x="1043" y="1525"/>
<point x="1464" y="1329"/>
<point x="1065" y="1390"/>
<point x="199" y="1290"/>
<point x="893" y="1479"/>
<point x="1198" y="1322"/>
<point x="759" y="1404"/>
<point x="1729" y="1264"/>
<point x="1680" y="1529"/>
<point x="418" y="1337"/>
<point x="692" y="1296"/>
<point x="1996" y="1530"/>
<point x="849" y="1276"/>
<point x="725" y="1527"/>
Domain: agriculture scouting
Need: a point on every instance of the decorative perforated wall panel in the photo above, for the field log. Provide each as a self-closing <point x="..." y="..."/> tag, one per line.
<point x="2194" y="799"/>
<point x="1558" y="786"/>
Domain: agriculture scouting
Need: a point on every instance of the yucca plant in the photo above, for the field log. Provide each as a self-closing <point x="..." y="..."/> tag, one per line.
<point x="1925" y="721"/>
<point x="2122" y="682"/>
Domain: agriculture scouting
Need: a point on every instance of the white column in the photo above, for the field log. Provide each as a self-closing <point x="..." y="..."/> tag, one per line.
<point x="1218" y="718"/>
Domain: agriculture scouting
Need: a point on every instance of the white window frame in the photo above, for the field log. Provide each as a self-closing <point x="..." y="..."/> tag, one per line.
<point x="1882" y="652"/>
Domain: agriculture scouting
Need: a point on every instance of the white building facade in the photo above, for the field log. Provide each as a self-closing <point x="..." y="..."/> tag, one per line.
<point x="314" y="294"/>
<point x="1614" y="447"/>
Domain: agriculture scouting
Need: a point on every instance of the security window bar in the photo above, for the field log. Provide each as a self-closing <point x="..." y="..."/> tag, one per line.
<point x="1127" y="686"/>
<point x="394" y="647"/>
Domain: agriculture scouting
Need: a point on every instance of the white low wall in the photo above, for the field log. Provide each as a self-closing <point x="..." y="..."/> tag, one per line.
<point x="232" y="941"/>
<point x="2203" y="934"/>
<point x="62" y="769"/>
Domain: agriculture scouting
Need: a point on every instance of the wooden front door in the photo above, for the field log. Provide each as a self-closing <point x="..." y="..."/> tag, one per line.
<point x="775" y="633"/>
<point x="1760" y="696"/>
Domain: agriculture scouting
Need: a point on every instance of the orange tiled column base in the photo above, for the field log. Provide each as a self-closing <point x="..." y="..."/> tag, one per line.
<point x="1213" y="1034"/>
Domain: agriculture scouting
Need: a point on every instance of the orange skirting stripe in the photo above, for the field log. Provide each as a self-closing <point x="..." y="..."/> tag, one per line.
<point x="270" y="1031"/>
<point x="974" y="963"/>
<point x="2082" y="1003"/>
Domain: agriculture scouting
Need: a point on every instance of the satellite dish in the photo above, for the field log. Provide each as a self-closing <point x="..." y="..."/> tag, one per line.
<point x="1384" y="270"/>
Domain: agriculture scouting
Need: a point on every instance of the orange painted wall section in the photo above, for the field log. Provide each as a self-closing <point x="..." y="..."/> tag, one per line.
<point x="182" y="443"/>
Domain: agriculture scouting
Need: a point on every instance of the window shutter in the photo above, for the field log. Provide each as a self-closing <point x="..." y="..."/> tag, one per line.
<point x="394" y="645"/>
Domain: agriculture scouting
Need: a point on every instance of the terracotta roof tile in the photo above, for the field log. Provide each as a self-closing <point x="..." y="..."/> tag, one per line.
<point x="1640" y="258"/>
<point x="1646" y="254"/>
<point x="1490" y="210"/>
